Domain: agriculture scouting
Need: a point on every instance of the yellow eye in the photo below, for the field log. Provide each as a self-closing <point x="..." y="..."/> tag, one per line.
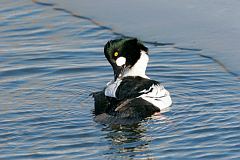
<point x="116" y="54"/>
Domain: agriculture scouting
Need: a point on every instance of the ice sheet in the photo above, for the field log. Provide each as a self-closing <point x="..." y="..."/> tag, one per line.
<point x="212" y="26"/>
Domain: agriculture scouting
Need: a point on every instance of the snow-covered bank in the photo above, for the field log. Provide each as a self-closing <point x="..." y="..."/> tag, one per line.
<point x="211" y="25"/>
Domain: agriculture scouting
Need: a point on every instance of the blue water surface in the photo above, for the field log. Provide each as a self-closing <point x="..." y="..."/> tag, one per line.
<point x="50" y="61"/>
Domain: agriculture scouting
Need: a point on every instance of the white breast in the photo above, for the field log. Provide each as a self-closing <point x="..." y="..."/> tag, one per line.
<point x="111" y="88"/>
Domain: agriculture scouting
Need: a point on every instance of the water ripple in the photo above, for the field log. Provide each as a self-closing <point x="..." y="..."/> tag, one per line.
<point x="51" y="60"/>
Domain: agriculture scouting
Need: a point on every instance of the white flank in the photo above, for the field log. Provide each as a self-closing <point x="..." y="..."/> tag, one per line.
<point x="111" y="88"/>
<point x="121" y="61"/>
<point x="139" y="68"/>
<point x="159" y="96"/>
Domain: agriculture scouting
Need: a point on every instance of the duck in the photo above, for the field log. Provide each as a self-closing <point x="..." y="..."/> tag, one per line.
<point x="131" y="94"/>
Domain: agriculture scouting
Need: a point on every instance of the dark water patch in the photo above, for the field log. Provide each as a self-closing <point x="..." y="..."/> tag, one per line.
<point x="22" y="71"/>
<point x="22" y="29"/>
<point x="32" y="156"/>
<point x="43" y="3"/>
<point x="77" y="70"/>
<point x="188" y="49"/>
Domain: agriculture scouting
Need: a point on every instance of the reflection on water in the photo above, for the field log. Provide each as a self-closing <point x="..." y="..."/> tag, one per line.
<point x="51" y="61"/>
<point x="127" y="141"/>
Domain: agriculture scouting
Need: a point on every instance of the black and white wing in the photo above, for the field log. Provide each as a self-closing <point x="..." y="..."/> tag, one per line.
<point x="158" y="96"/>
<point x="138" y="87"/>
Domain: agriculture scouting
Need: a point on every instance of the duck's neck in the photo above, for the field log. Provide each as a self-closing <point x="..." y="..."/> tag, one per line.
<point x="139" y="68"/>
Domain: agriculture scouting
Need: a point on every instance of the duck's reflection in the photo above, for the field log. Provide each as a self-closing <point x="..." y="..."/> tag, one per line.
<point x="132" y="141"/>
<point x="128" y="141"/>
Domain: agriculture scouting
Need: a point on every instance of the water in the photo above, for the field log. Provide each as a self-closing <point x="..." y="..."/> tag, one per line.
<point x="50" y="61"/>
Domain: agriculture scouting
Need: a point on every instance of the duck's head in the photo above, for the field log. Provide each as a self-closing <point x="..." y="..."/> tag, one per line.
<point x="127" y="56"/>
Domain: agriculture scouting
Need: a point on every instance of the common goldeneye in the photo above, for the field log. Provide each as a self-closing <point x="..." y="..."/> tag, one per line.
<point x="132" y="94"/>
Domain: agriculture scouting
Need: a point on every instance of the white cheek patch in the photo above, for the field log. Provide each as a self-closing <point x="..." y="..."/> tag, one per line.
<point x="121" y="61"/>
